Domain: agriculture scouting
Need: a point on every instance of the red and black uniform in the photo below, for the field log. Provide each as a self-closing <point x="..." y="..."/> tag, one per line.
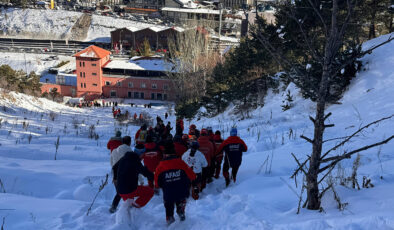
<point x="233" y="148"/>
<point x="113" y="143"/>
<point x="180" y="148"/>
<point x="217" y="140"/>
<point x="152" y="158"/>
<point x="208" y="149"/>
<point x="174" y="177"/>
<point x="179" y="127"/>
<point x="127" y="186"/>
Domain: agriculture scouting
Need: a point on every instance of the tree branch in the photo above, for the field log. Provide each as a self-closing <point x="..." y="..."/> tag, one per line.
<point x="300" y="166"/>
<point x="354" y="134"/>
<point x="336" y="159"/>
<point x="307" y="139"/>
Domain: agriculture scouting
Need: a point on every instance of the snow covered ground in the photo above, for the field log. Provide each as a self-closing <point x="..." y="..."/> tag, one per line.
<point x="57" y="24"/>
<point x="32" y="62"/>
<point x="38" y="192"/>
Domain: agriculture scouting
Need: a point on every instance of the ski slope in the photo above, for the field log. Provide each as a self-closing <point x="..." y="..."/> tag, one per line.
<point x="38" y="192"/>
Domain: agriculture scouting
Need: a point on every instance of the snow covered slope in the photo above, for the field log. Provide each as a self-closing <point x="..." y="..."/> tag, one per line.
<point x="57" y="24"/>
<point x="38" y="192"/>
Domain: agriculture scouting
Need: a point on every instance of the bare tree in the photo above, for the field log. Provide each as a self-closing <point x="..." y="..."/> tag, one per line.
<point x="333" y="41"/>
<point x="193" y="60"/>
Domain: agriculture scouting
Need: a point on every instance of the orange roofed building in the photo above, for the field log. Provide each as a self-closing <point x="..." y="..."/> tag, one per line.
<point x="98" y="76"/>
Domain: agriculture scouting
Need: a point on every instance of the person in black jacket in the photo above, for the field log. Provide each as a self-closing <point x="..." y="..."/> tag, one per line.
<point x="174" y="176"/>
<point x="129" y="167"/>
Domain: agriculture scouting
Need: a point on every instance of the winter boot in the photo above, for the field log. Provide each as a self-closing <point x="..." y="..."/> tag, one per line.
<point x="195" y="192"/>
<point x="180" y="210"/>
<point x="217" y="173"/>
<point x="170" y="220"/>
<point x="227" y="181"/>
<point x="112" y="209"/>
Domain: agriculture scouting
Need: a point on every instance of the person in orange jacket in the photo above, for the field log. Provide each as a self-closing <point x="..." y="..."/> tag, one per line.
<point x="233" y="148"/>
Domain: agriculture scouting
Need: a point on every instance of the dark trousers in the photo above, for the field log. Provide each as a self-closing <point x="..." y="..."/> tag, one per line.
<point x="204" y="177"/>
<point x="226" y="167"/>
<point x="180" y="207"/>
<point x="115" y="201"/>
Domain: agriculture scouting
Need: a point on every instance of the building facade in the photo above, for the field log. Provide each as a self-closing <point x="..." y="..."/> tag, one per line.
<point x="99" y="76"/>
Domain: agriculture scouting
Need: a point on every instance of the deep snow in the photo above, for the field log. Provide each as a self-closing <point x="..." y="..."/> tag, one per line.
<point x="38" y="192"/>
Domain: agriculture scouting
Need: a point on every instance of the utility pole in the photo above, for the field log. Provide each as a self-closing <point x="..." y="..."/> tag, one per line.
<point x="220" y="20"/>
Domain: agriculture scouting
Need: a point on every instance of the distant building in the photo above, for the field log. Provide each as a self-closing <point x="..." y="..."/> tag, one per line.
<point x="133" y="37"/>
<point x="99" y="76"/>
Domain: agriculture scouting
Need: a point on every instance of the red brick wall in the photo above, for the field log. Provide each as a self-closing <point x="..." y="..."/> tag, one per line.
<point x="64" y="90"/>
<point x="123" y="89"/>
<point x="89" y="75"/>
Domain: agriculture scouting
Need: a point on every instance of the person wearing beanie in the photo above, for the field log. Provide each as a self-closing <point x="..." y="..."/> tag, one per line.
<point x="174" y="177"/>
<point x="233" y="147"/>
<point x="141" y="134"/>
<point x="151" y="157"/>
<point x="208" y="149"/>
<point x="115" y="141"/>
<point x="196" y="161"/>
<point x="217" y="163"/>
<point x="116" y="155"/>
<point x="129" y="168"/>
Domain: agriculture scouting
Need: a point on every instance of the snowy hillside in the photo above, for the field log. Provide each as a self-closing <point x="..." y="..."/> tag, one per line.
<point x="38" y="192"/>
<point x="57" y="24"/>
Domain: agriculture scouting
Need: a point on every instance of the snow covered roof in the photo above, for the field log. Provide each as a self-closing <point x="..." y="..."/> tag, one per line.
<point x="191" y="10"/>
<point x="93" y="52"/>
<point x="153" y="28"/>
<point x="153" y="63"/>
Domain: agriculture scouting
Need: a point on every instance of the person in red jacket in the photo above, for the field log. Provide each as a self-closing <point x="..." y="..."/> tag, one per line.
<point x="233" y="148"/>
<point x="141" y="134"/>
<point x="115" y="141"/>
<point x="151" y="157"/>
<point x="179" y="145"/>
<point x="208" y="149"/>
<point x="179" y="126"/>
<point x="217" y="140"/>
<point x="174" y="177"/>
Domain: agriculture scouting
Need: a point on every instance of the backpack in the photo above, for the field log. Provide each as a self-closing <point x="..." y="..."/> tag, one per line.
<point x="142" y="136"/>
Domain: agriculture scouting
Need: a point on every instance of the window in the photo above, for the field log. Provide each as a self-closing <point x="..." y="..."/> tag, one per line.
<point x="154" y="86"/>
<point x="84" y="85"/>
<point x="83" y="64"/>
<point x="80" y="74"/>
<point x="165" y="97"/>
<point x="143" y="85"/>
<point x="80" y="64"/>
<point x="94" y="84"/>
<point x="113" y="93"/>
<point x="152" y="96"/>
<point x="165" y="86"/>
<point x="119" y="83"/>
<point x="81" y="85"/>
<point x="136" y="95"/>
<point x="107" y="83"/>
<point x="84" y="74"/>
<point x="159" y="96"/>
<point x="129" y="94"/>
<point x="93" y="64"/>
<point x="94" y="74"/>
<point x="142" y="96"/>
<point x="131" y="85"/>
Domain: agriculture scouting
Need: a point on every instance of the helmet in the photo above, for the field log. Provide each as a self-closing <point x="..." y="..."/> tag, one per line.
<point x="203" y="132"/>
<point x="193" y="126"/>
<point x="195" y="145"/>
<point x="233" y="132"/>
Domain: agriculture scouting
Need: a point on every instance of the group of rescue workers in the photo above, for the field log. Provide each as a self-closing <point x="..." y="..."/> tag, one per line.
<point x="177" y="164"/>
